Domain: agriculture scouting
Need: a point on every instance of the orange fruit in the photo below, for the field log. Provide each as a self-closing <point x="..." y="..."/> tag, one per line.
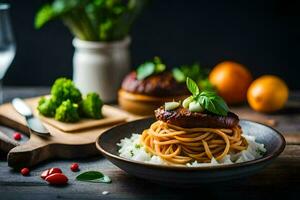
<point x="268" y="93"/>
<point x="231" y="80"/>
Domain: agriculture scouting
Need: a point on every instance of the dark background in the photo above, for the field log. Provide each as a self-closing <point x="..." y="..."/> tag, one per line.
<point x="263" y="35"/>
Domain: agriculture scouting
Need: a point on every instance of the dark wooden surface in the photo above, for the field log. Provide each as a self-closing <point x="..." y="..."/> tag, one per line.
<point x="281" y="178"/>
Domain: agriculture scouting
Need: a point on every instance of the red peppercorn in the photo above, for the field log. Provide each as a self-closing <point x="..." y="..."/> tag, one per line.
<point x="57" y="179"/>
<point x="54" y="170"/>
<point x="25" y="171"/>
<point x="49" y="172"/>
<point x="44" y="174"/>
<point x="74" y="167"/>
<point x="17" y="136"/>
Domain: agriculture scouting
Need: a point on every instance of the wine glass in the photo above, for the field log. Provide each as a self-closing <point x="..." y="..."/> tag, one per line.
<point x="7" y="43"/>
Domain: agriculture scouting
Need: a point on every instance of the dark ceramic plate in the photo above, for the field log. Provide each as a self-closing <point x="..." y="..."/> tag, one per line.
<point x="189" y="176"/>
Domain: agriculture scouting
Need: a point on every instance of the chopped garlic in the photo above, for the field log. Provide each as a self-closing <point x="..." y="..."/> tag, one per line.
<point x="195" y="107"/>
<point x="171" y="105"/>
<point x="187" y="102"/>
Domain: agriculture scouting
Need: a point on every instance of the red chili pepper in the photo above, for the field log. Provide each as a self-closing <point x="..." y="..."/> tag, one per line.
<point x="49" y="172"/>
<point x="57" y="179"/>
<point x="25" y="171"/>
<point x="74" y="167"/>
<point x="17" y="136"/>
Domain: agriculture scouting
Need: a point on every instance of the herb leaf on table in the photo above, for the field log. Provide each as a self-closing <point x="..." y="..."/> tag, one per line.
<point x="93" y="176"/>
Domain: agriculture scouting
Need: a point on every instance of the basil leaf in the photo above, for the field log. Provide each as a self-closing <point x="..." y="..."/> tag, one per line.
<point x="178" y="75"/>
<point x="159" y="66"/>
<point x="105" y="179"/>
<point x="192" y="86"/>
<point x="194" y="71"/>
<point x="45" y="14"/>
<point x="149" y="68"/>
<point x="89" y="175"/>
<point x="222" y="106"/>
<point x="93" y="176"/>
<point x="145" y="70"/>
<point x="213" y="103"/>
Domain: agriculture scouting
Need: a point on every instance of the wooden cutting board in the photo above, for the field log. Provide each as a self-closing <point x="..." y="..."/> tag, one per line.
<point x="79" y="143"/>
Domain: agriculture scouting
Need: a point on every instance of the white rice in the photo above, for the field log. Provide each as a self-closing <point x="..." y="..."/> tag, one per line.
<point x="131" y="148"/>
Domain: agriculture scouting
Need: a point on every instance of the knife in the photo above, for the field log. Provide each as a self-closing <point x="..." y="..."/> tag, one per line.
<point x="35" y="125"/>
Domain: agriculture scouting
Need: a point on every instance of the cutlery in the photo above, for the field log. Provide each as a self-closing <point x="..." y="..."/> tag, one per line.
<point x="35" y="125"/>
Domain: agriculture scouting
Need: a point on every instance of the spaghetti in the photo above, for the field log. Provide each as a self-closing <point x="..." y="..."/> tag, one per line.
<point x="177" y="145"/>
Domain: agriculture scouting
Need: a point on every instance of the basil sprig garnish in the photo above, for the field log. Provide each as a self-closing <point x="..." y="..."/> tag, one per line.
<point x="149" y="68"/>
<point x="194" y="71"/>
<point x="192" y="87"/>
<point x="208" y="100"/>
<point x="93" y="176"/>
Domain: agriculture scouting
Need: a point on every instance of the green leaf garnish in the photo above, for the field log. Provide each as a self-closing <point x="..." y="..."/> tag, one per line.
<point x="260" y="152"/>
<point x="145" y="70"/>
<point x="192" y="86"/>
<point x="208" y="100"/>
<point x="93" y="176"/>
<point x="213" y="103"/>
<point x="131" y="153"/>
<point x="194" y="72"/>
<point x="179" y="75"/>
<point x="151" y="67"/>
<point x="159" y="66"/>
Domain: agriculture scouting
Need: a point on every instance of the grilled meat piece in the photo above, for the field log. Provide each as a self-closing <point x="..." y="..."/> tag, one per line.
<point x="159" y="85"/>
<point x="184" y="118"/>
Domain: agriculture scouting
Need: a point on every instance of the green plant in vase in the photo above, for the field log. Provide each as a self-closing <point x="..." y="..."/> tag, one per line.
<point x="101" y="29"/>
<point x="93" y="20"/>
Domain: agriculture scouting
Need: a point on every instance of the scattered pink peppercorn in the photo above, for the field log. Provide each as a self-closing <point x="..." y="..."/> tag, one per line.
<point x="49" y="172"/>
<point x="17" y="136"/>
<point x="57" y="179"/>
<point x="74" y="167"/>
<point x="25" y="171"/>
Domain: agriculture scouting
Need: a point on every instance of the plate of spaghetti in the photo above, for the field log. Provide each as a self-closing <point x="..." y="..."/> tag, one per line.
<point x="191" y="142"/>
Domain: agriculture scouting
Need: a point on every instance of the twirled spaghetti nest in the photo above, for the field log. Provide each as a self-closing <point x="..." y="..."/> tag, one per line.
<point x="178" y="145"/>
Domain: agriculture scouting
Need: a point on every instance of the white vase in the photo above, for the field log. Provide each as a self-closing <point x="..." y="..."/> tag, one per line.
<point x="100" y="66"/>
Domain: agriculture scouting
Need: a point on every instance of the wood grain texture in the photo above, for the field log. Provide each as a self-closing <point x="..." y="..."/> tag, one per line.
<point x="286" y="120"/>
<point x="7" y="143"/>
<point x="282" y="177"/>
<point x="111" y="115"/>
<point x="292" y="138"/>
<point x="78" y="143"/>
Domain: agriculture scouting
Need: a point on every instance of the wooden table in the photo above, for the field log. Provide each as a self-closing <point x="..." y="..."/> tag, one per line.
<point x="281" y="178"/>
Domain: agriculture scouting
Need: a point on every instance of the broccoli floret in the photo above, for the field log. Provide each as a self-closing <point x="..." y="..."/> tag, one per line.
<point x="67" y="112"/>
<point x="91" y="106"/>
<point x="64" y="89"/>
<point x="47" y="107"/>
